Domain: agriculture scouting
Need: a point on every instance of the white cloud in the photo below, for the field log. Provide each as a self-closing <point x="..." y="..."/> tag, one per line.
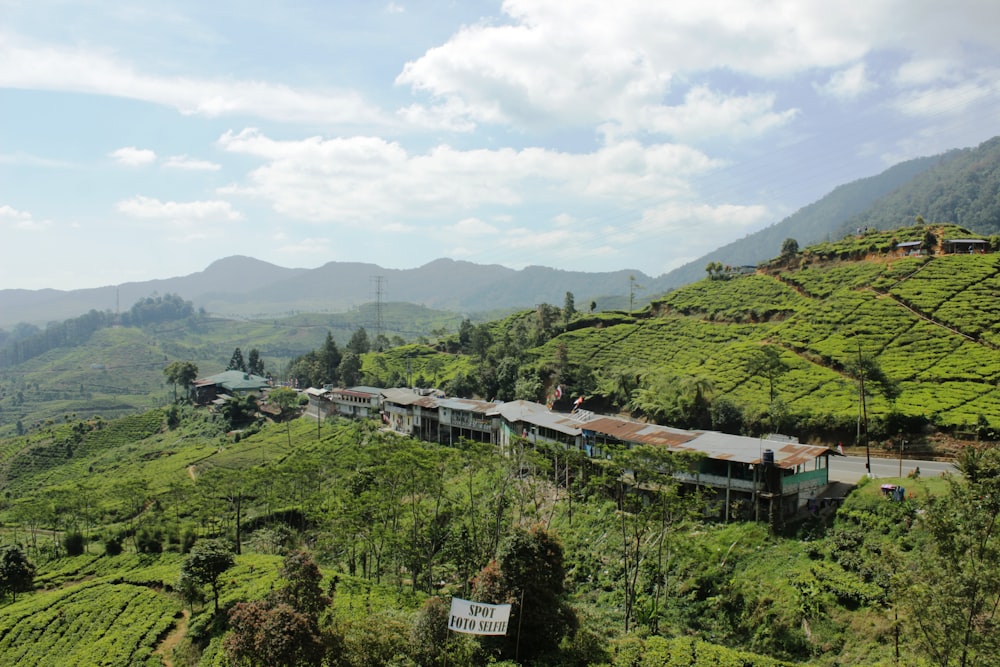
<point x="363" y="179"/>
<point x="37" y="67"/>
<point x="395" y="8"/>
<point x="583" y="64"/>
<point x="11" y="218"/>
<point x="949" y="99"/>
<point x="707" y="114"/>
<point x="923" y="71"/>
<point x="193" y="164"/>
<point x="847" y="84"/>
<point x="148" y="208"/>
<point x="131" y="156"/>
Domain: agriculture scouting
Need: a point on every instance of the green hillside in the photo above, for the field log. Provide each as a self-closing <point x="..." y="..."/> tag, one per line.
<point x="393" y="523"/>
<point x="116" y="370"/>
<point x="929" y="322"/>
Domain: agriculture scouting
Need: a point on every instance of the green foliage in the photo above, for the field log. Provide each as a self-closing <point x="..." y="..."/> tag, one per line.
<point x="17" y="573"/>
<point x="684" y="652"/>
<point x="954" y="617"/>
<point x="181" y="373"/>
<point x="94" y="623"/>
<point x="789" y="248"/>
<point x="529" y="575"/>
<point x="74" y="543"/>
<point x="236" y="362"/>
<point x="206" y="563"/>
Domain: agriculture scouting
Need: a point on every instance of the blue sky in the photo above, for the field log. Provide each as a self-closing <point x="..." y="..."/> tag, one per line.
<point x="146" y="140"/>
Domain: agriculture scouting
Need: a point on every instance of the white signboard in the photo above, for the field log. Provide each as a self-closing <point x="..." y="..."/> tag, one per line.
<point x="477" y="618"/>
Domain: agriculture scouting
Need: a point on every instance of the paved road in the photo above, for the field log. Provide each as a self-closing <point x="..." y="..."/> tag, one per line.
<point x="850" y="469"/>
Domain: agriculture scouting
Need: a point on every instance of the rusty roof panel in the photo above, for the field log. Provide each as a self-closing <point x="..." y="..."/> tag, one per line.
<point x="646" y="434"/>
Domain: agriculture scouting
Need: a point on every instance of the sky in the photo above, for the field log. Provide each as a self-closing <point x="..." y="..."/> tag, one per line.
<point x="144" y="140"/>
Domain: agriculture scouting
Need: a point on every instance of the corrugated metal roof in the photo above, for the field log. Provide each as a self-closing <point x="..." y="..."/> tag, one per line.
<point x="466" y="404"/>
<point x="410" y="397"/>
<point x="727" y="447"/>
<point x="539" y="415"/>
<point x="235" y="381"/>
<point x="353" y="393"/>
<point x="638" y="432"/>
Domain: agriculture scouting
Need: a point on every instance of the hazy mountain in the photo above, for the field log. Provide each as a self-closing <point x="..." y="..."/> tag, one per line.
<point x="246" y="287"/>
<point x="961" y="186"/>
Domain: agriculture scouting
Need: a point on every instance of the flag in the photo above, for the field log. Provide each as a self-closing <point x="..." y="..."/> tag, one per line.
<point x="558" y="391"/>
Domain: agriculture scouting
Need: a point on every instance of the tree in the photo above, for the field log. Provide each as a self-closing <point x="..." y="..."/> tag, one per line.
<point x="529" y="574"/>
<point x="480" y="341"/>
<point x="359" y="343"/>
<point x="632" y="287"/>
<point x="619" y="386"/>
<point x="350" y="369"/>
<point x="272" y="635"/>
<point x="382" y="343"/>
<point x="569" y="309"/>
<point x="767" y="363"/>
<point x="236" y="362"/>
<point x="206" y="563"/>
<point x="284" y="398"/>
<point x="329" y="360"/>
<point x="929" y="242"/>
<point x="465" y="330"/>
<point x="651" y="507"/>
<point x="789" y="248"/>
<point x="726" y="416"/>
<point x="181" y="373"/>
<point x="17" y="574"/>
<point x="239" y="410"/>
<point x="952" y="584"/>
<point x="302" y="589"/>
<point x="255" y="365"/>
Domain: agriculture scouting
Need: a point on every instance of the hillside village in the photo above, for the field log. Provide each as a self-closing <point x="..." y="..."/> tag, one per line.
<point x="671" y="533"/>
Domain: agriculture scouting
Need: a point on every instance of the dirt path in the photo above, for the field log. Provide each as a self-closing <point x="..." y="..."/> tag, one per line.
<point x="166" y="648"/>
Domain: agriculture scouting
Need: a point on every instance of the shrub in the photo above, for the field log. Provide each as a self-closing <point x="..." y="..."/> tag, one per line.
<point x="73" y="543"/>
<point x="113" y="546"/>
<point x="149" y="541"/>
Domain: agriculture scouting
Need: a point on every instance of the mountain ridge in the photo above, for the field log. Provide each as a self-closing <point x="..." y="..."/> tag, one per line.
<point x="961" y="186"/>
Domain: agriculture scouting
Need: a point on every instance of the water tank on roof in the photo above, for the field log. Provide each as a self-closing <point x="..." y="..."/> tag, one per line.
<point x="768" y="457"/>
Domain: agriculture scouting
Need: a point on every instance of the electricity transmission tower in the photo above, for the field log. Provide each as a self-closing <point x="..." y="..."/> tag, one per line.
<point x="379" y="285"/>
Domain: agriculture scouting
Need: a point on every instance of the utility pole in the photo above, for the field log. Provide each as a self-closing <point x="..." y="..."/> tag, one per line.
<point x="863" y="416"/>
<point x="902" y="443"/>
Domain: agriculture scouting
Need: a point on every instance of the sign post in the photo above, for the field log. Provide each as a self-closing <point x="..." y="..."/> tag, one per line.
<point x="478" y="618"/>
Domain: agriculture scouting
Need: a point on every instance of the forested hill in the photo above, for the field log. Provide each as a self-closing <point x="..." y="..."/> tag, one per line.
<point x="961" y="186"/>
<point x="964" y="189"/>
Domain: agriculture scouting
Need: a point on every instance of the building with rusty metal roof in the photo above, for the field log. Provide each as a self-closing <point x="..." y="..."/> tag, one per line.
<point x="742" y="477"/>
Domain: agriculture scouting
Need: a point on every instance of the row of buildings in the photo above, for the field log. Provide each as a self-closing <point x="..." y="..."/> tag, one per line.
<point x="745" y="477"/>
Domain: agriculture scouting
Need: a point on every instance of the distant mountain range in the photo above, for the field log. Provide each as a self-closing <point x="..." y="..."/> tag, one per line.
<point x="961" y="186"/>
<point x="246" y="287"/>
